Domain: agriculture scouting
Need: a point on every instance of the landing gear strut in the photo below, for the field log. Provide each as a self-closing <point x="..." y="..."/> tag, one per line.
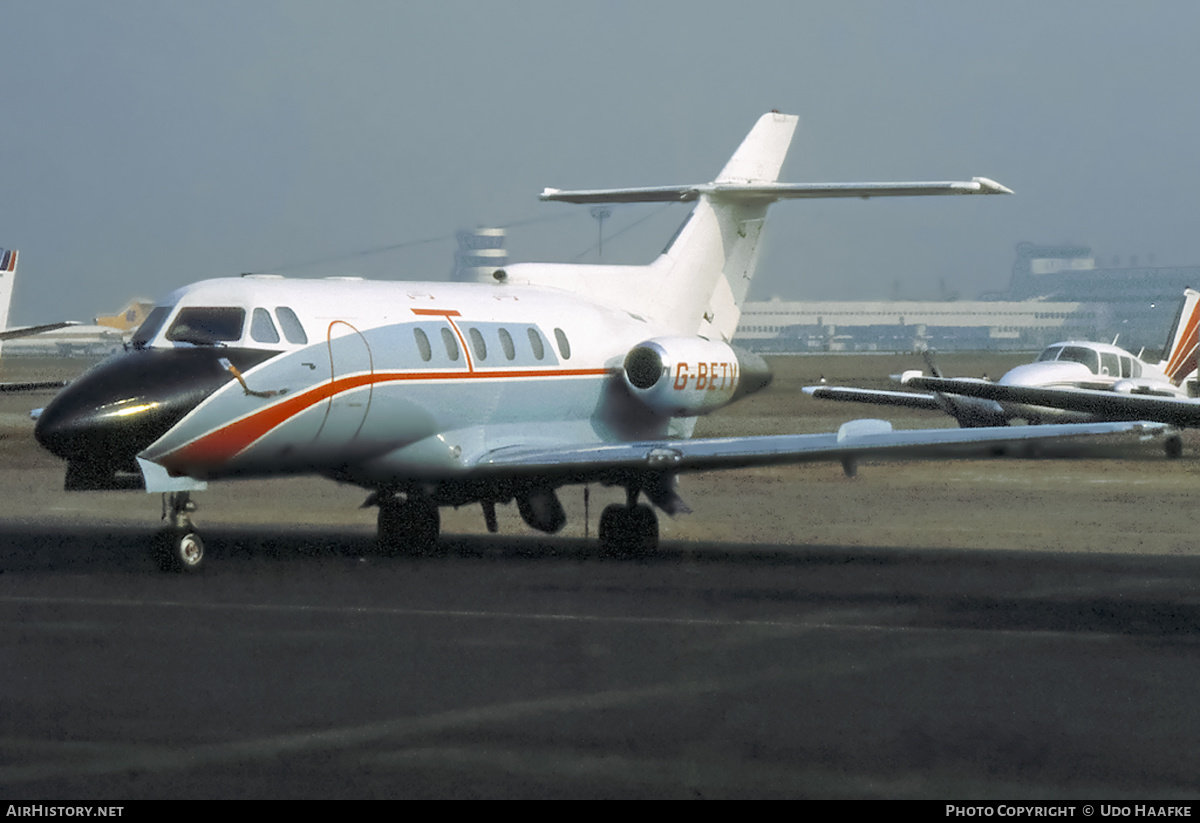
<point x="1173" y="446"/>
<point x="630" y="530"/>
<point x="178" y="548"/>
<point x="408" y="526"/>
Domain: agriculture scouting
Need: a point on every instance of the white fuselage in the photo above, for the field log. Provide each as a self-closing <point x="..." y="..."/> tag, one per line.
<point x="402" y="377"/>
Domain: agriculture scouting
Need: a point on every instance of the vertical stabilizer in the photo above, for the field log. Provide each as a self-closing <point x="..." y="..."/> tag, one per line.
<point x="707" y="271"/>
<point x="1183" y="343"/>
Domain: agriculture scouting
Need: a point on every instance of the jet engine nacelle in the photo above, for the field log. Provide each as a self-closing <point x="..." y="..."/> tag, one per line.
<point x="686" y="376"/>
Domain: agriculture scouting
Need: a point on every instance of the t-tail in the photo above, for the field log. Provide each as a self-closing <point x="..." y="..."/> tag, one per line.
<point x="698" y="285"/>
<point x="1180" y="354"/>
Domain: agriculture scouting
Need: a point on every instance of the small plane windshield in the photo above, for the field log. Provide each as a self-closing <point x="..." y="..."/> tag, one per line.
<point x="205" y="326"/>
<point x="150" y="327"/>
<point x="1050" y="353"/>
<point x="1079" y="354"/>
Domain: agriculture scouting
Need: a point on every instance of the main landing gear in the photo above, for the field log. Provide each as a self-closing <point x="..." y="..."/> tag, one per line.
<point x="177" y="547"/>
<point x="630" y="530"/>
<point x="408" y="525"/>
<point x="1173" y="446"/>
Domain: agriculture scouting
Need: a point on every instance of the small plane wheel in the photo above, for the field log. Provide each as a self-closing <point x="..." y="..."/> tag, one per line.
<point x="628" y="531"/>
<point x="179" y="550"/>
<point x="408" y="527"/>
<point x="1173" y="446"/>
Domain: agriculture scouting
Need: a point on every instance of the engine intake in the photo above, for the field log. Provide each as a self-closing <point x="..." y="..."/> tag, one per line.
<point x="687" y="376"/>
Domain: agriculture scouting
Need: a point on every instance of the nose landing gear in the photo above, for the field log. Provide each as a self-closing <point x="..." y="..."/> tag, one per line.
<point x="177" y="547"/>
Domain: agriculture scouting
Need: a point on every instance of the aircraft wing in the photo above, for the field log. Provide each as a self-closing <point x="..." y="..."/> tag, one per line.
<point x="877" y="397"/>
<point x="856" y="439"/>
<point x="32" y="386"/>
<point x="1108" y="405"/>
<point x="29" y="331"/>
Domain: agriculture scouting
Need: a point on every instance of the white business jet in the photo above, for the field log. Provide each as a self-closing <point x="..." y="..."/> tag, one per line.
<point x="1070" y="382"/>
<point x="436" y="394"/>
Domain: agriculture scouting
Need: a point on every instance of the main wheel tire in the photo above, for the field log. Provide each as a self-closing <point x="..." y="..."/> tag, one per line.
<point x="628" y="532"/>
<point x="644" y="529"/>
<point x="408" y="527"/>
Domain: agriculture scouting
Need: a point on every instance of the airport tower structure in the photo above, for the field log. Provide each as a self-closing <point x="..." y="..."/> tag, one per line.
<point x="1140" y="300"/>
<point x="480" y="253"/>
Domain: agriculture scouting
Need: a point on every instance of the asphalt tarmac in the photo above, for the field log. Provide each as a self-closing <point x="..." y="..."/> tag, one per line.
<point x="1007" y="628"/>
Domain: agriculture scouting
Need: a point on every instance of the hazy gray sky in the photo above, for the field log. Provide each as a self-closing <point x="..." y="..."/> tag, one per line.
<point x="149" y="144"/>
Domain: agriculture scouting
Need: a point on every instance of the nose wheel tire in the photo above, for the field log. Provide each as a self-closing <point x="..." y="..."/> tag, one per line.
<point x="179" y="550"/>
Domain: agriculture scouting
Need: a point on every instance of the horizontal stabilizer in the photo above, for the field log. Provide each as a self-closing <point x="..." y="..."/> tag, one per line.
<point x="769" y="192"/>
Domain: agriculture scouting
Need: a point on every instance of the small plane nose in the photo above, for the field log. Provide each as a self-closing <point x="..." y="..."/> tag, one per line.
<point x="105" y="418"/>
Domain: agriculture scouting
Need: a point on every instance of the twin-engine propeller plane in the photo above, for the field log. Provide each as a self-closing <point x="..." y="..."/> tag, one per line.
<point x="435" y="394"/>
<point x="1070" y="382"/>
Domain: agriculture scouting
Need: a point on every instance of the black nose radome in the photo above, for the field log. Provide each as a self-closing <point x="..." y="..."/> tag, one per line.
<point x="117" y="409"/>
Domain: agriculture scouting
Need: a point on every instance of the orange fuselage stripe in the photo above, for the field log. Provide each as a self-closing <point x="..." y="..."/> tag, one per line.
<point x="231" y="439"/>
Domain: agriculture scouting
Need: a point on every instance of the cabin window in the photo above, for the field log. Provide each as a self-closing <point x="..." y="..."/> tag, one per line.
<point x="1109" y="364"/>
<point x="290" y="323"/>
<point x="1126" y="366"/>
<point x="564" y="345"/>
<point x="1078" y="354"/>
<point x="150" y="327"/>
<point x="477" y="344"/>
<point x="506" y="343"/>
<point x="423" y="345"/>
<point x="262" y="330"/>
<point x="203" y="325"/>
<point x="451" y="344"/>
<point x="535" y="343"/>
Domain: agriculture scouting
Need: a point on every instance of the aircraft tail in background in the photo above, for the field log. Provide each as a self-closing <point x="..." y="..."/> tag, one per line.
<point x="1180" y="354"/>
<point x="8" y="275"/>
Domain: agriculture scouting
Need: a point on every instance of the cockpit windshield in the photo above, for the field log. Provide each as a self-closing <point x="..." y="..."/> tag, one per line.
<point x="205" y="326"/>
<point x="150" y="327"/>
<point x="1050" y="353"/>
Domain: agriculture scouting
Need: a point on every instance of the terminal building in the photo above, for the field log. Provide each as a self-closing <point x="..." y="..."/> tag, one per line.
<point x="796" y="327"/>
<point x="1056" y="293"/>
